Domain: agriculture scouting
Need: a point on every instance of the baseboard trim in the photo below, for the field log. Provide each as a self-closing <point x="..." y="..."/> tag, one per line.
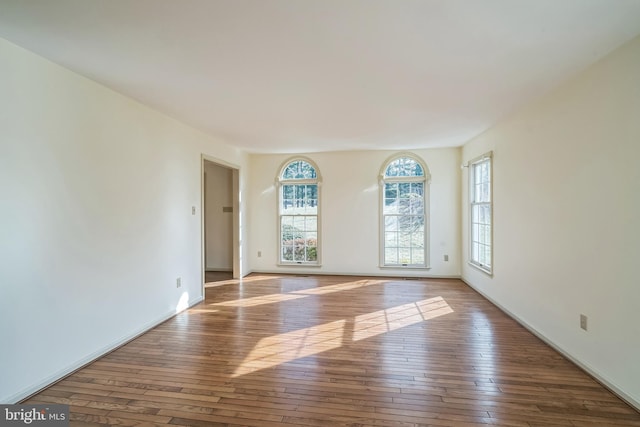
<point x="589" y="370"/>
<point x="398" y="275"/>
<point x="69" y="370"/>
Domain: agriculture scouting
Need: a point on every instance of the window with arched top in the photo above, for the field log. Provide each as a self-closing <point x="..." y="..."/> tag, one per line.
<point x="298" y="212"/>
<point x="404" y="189"/>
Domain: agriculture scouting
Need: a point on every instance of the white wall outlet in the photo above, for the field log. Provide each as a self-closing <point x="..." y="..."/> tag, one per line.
<point x="178" y="282"/>
<point x="259" y="254"/>
<point x="446" y="257"/>
<point x="583" y="322"/>
<point x="193" y="210"/>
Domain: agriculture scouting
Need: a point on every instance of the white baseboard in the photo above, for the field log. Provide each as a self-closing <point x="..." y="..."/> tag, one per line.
<point x="391" y="274"/>
<point x="63" y="373"/>
<point x="585" y="367"/>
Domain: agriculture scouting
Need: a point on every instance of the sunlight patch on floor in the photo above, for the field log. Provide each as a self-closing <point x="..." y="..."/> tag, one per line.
<point x="203" y="310"/>
<point x="387" y="320"/>
<point x="274" y="350"/>
<point x="274" y="298"/>
<point x="339" y="287"/>
<point x="286" y="347"/>
<point x="254" y="301"/>
<point x="248" y="279"/>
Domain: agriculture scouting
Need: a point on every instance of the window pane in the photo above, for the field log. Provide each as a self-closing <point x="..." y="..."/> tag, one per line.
<point x="404" y="240"/>
<point x="417" y="239"/>
<point x="404" y="205"/>
<point x="391" y="223"/>
<point x="390" y="198"/>
<point x="404" y="189"/>
<point x="417" y="200"/>
<point x="391" y="190"/>
<point x="404" y="255"/>
<point x="417" y="188"/>
<point x="287" y="221"/>
<point x="287" y="199"/>
<point x="299" y="170"/>
<point x="411" y="223"/>
<point x="312" y="253"/>
<point x="298" y="225"/>
<point x="287" y="191"/>
<point x="312" y="239"/>
<point x="298" y="251"/>
<point x="391" y="256"/>
<point x="417" y="256"/>
<point x="404" y="166"/>
<point x="311" y="223"/>
<point x="484" y="192"/>
<point x="391" y="239"/>
<point x="311" y="202"/>
<point x="390" y="206"/>
<point x="287" y="253"/>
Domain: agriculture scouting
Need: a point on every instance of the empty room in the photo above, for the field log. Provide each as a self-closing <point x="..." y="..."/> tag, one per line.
<point x="320" y="213"/>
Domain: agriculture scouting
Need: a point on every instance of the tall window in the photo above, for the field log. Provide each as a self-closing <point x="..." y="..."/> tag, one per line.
<point x="298" y="207"/>
<point x="404" y="187"/>
<point x="481" y="212"/>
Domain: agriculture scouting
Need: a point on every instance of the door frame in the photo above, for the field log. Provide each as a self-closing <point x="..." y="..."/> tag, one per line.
<point x="235" y="191"/>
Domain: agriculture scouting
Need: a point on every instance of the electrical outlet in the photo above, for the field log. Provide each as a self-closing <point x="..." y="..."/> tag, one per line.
<point x="583" y="322"/>
<point x="446" y="257"/>
<point x="178" y="282"/>
<point x="193" y="210"/>
<point x="259" y="254"/>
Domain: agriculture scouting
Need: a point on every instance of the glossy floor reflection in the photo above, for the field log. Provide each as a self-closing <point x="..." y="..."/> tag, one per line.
<point x="338" y="351"/>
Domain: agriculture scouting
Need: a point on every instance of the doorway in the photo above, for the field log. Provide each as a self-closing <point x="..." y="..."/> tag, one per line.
<point x="220" y="221"/>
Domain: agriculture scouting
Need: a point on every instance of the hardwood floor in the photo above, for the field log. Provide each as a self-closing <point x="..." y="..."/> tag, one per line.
<point x="217" y="276"/>
<point x="338" y="351"/>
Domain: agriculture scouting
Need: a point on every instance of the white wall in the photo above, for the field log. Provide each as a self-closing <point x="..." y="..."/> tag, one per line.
<point x="96" y="193"/>
<point x="218" y="224"/>
<point x="350" y="212"/>
<point x="566" y="212"/>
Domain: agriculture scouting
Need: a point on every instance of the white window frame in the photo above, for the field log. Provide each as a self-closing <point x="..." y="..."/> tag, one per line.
<point x="426" y="180"/>
<point x="483" y="238"/>
<point x="280" y="183"/>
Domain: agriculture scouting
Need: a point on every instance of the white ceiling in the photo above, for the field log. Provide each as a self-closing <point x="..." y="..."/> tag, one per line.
<point x="305" y="76"/>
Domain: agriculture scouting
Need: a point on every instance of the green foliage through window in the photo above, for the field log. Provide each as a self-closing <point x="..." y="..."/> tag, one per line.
<point x="298" y="206"/>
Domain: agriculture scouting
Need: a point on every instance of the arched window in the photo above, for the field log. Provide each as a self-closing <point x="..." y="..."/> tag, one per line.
<point x="298" y="209"/>
<point x="404" y="188"/>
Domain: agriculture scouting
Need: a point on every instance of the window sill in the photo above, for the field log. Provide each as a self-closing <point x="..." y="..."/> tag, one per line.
<point x="297" y="264"/>
<point x="404" y="267"/>
<point x="488" y="272"/>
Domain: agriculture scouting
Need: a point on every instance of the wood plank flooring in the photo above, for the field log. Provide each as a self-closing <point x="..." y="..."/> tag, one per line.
<point x="217" y="276"/>
<point x="338" y="351"/>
